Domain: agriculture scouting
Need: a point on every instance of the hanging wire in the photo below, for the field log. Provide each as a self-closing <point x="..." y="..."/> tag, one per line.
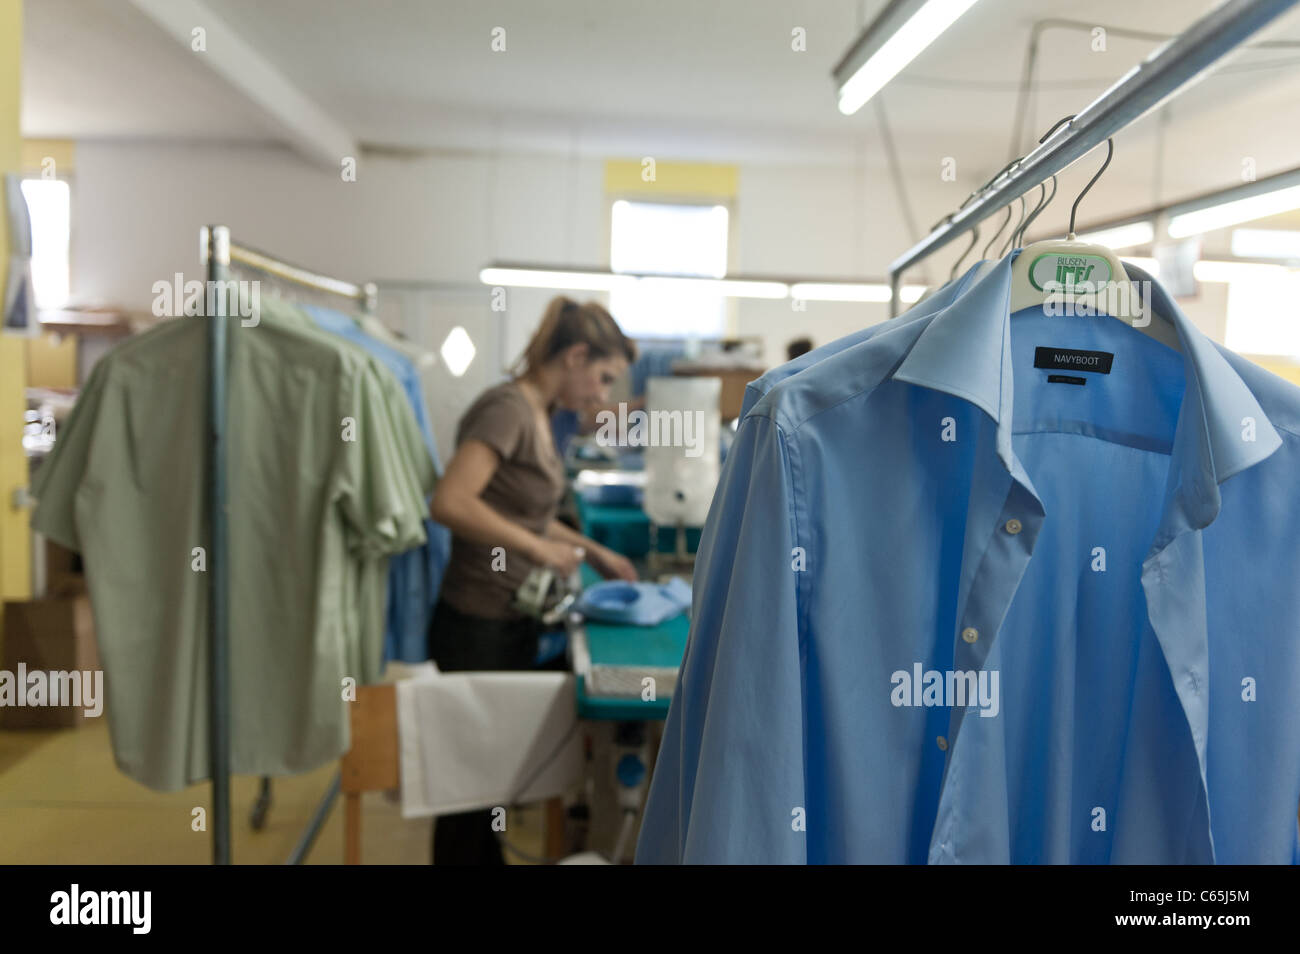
<point x="974" y="237"/>
<point x="1019" y="233"/>
<point x="985" y="253"/>
<point x="1110" y="153"/>
<point x="1002" y="250"/>
<point x="1038" y="211"/>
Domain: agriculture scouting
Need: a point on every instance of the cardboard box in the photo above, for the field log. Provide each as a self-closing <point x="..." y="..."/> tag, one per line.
<point x="50" y="635"/>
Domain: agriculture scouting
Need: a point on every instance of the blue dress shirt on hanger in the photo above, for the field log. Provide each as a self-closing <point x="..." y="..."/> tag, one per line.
<point x="949" y="610"/>
<point x="942" y="298"/>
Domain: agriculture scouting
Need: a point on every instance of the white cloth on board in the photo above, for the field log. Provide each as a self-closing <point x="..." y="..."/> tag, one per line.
<point x="475" y="740"/>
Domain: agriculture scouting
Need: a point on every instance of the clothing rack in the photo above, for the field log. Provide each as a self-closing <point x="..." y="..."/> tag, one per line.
<point x="219" y="254"/>
<point x="1161" y="76"/>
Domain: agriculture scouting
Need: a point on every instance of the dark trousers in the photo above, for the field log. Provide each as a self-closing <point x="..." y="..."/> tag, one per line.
<point x="458" y="642"/>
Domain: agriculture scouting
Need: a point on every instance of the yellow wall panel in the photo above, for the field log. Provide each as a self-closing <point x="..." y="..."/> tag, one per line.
<point x="676" y="179"/>
<point x="52" y="361"/>
<point x="15" y="535"/>
<point x="35" y="152"/>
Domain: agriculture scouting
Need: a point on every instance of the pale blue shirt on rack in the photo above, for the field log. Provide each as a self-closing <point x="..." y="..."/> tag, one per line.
<point x="1107" y="570"/>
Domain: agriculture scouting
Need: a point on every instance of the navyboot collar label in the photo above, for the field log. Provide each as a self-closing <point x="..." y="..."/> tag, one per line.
<point x="1068" y="359"/>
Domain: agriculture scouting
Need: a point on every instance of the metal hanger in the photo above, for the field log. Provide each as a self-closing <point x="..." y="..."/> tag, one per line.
<point x="1126" y="303"/>
<point x="1110" y="154"/>
<point x="1043" y="202"/>
<point x="985" y="253"/>
<point x="1002" y="250"/>
<point x="956" y="266"/>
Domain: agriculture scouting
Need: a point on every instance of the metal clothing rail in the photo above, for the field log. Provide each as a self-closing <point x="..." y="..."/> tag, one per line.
<point x="218" y="253"/>
<point x="1162" y="75"/>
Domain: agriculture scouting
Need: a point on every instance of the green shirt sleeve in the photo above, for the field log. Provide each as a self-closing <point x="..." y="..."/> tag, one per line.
<point x="378" y="492"/>
<point x="406" y="429"/>
<point x="56" y="481"/>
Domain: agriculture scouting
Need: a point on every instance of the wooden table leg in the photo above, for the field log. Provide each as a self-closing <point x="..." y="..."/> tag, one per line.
<point x="352" y="829"/>
<point x="555" y="833"/>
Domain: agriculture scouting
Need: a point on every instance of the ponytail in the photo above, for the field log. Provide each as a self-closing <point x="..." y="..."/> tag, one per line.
<point x="566" y="323"/>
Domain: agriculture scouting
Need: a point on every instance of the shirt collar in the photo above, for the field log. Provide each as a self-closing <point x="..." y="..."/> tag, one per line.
<point x="966" y="351"/>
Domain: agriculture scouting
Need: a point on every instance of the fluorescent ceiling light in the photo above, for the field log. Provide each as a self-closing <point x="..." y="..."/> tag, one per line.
<point x="852" y="291"/>
<point x="904" y="44"/>
<point x="608" y="281"/>
<point x="549" y="278"/>
<point x="521" y="277"/>
<point x="1265" y="243"/>
<point x="1233" y="213"/>
<point x="1121" y="236"/>
<point x="731" y="287"/>
<point x="832" y="291"/>
<point x="1213" y="271"/>
<point x="1233" y="271"/>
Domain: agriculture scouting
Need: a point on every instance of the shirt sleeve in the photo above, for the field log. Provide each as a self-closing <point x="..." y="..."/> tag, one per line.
<point x="409" y="435"/>
<point x="498" y="420"/>
<point x="729" y="783"/>
<point x="57" y="480"/>
<point x="378" y="491"/>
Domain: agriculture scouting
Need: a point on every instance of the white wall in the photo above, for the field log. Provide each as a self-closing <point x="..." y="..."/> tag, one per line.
<point x="138" y="208"/>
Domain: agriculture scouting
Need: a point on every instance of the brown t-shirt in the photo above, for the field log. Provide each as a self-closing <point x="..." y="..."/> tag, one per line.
<point x="526" y="488"/>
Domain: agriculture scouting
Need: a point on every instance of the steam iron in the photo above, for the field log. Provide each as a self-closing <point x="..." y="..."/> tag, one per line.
<point x="544" y="596"/>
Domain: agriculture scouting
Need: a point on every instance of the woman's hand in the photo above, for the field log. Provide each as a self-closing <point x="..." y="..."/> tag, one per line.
<point x="562" y="557"/>
<point x="612" y="566"/>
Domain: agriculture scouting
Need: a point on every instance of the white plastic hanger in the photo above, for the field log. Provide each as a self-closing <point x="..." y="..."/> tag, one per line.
<point x="1083" y="278"/>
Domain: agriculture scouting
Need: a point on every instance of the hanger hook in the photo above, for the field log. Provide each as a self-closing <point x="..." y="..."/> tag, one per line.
<point x="1110" y="152"/>
<point x="1055" y="126"/>
<point x="974" y="237"/>
<point x="975" y="229"/>
<point x="1003" y="249"/>
<point x="1043" y="202"/>
<point x="985" y="253"/>
<point x="1019" y="234"/>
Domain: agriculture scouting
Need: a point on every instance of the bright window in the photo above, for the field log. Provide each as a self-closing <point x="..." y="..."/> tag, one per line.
<point x="1264" y="313"/>
<point x="664" y="239"/>
<point x="49" y="204"/>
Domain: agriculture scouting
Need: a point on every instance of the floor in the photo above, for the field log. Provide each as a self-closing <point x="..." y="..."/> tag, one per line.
<point x="63" y="801"/>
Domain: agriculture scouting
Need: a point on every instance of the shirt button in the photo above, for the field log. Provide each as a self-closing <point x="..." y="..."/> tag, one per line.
<point x="943" y="744"/>
<point x="970" y="634"/>
<point x="1013" y="525"/>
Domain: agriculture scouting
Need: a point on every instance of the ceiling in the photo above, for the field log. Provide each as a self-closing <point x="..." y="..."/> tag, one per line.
<point x="676" y="79"/>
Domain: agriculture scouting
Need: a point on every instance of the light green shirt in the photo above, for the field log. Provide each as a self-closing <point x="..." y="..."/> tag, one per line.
<point x="327" y="477"/>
